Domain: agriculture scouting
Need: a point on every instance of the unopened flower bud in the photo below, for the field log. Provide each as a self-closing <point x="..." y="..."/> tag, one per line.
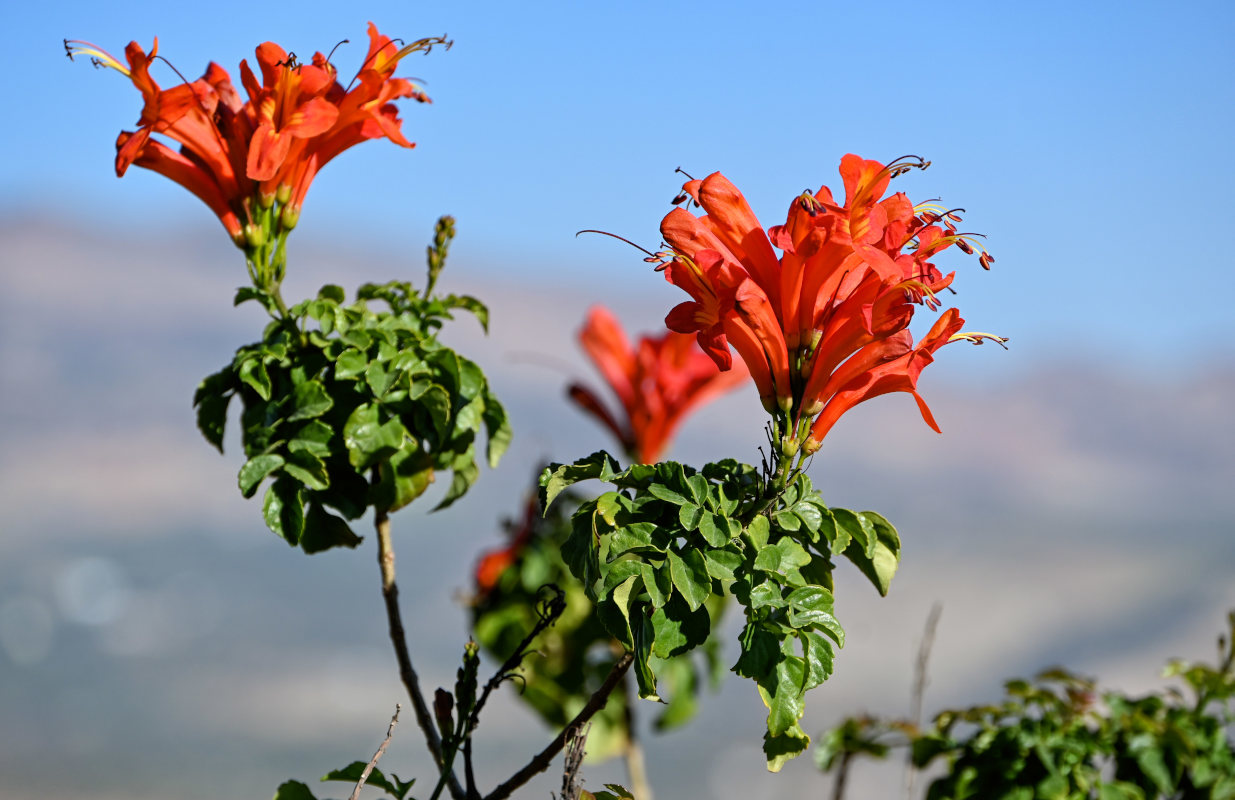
<point x="789" y="446"/>
<point x="254" y="235"/>
<point x="289" y="217"/>
<point x="283" y="193"/>
<point x="810" y="446"/>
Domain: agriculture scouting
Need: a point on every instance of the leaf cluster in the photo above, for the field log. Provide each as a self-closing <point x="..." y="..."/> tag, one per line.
<point x="573" y="657"/>
<point x="654" y="550"/>
<point x="347" y="406"/>
<point x="1053" y="738"/>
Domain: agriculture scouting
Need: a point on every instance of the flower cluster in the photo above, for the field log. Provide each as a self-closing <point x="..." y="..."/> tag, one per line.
<point x="252" y="161"/>
<point x="657" y="383"/>
<point x="824" y="325"/>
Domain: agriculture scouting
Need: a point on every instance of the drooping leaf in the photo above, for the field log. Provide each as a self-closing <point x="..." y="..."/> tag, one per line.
<point x="283" y="509"/>
<point x="557" y="477"/>
<point x="323" y="530"/>
<point x="293" y="790"/>
<point x="309" y="400"/>
<point x="255" y="469"/>
<point x="690" y="577"/>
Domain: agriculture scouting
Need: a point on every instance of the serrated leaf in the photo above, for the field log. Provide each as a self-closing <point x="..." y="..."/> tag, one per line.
<point x="722" y="564"/>
<point x="308" y="469"/>
<point x="368" y="440"/>
<point x="656" y="582"/>
<point x="859" y="529"/>
<point x="757" y="531"/>
<point x="690" y="577"/>
<point x="678" y="628"/>
<point x="211" y="400"/>
<point x="255" y="470"/>
<point x="309" y="400"/>
<point x="350" y="364"/>
<point x="323" y="530"/>
<point x="558" y="477"/>
<point x="498" y="427"/>
<point x="253" y="372"/>
<point x="782" y="749"/>
<point x="313" y="437"/>
<point x="690" y="515"/>
<point x="817" y="656"/>
<point x="283" y="509"/>
<point x="784" y="697"/>
<point x="879" y="561"/>
<point x="645" y="638"/>
<point x="662" y="492"/>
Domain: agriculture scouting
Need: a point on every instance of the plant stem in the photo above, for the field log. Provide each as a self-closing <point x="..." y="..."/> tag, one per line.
<point x="542" y="759"/>
<point x="390" y="592"/>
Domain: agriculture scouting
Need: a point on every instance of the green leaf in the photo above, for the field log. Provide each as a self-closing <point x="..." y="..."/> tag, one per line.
<point x="690" y="515"/>
<point x="757" y="531"/>
<point x="253" y="372"/>
<point x="403" y="478"/>
<point x="787" y="521"/>
<point x="656" y="583"/>
<point x="644" y="637"/>
<point x="858" y="528"/>
<point x="817" y="656"/>
<point x="722" y="564"/>
<point x="760" y="652"/>
<point x="678" y="628"/>
<point x="782" y="749"/>
<point x="766" y="595"/>
<point x="782" y="558"/>
<point x="350" y="364"/>
<point x="662" y="492"/>
<point x="498" y="427"/>
<point x="313" y="437"/>
<point x="468" y="303"/>
<point x="336" y="294"/>
<point x="323" y="530"/>
<point x="211" y="400"/>
<point x="309" y="400"/>
<point x="368" y="440"/>
<point x="461" y="479"/>
<point x="811" y="606"/>
<point x="293" y="790"/>
<point x="690" y="577"/>
<point x="785" y="698"/>
<point x="308" y="469"/>
<point x="811" y="516"/>
<point x="557" y="477"/>
<point x="352" y="772"/>
<point x="256" y="469"/>
<point x="580" y="550"/>
<point x="879" y="560"/>
<point x="283" y="509"/>
<point x="698" y="486"/>
<point x="716" y="536"/>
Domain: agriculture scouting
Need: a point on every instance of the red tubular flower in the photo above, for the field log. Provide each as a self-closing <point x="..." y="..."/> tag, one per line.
<point x="492" y="564"/>
<point x="657" y="383"/>
<point x="824" y="325"/>
<point x="243" y="157"/>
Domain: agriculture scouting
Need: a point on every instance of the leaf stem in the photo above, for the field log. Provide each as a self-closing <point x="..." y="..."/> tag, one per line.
<point x="390" y="592"/>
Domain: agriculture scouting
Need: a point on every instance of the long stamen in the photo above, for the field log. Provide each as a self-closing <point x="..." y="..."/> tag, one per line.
<point x="977" y="337"/>
<point x="98" y="56"/>
<point x="619" y="238"/>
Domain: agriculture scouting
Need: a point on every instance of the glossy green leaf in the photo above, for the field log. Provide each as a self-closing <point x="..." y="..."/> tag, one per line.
<point x="858" y="528"/>
<point x="313" y="437"/>
<point x="690" y="515"/>
<point x="722" y="564"/>
<point x="817" y="657"/>
<point x="498" y="427"/>
<point x="880" y="567"/>
<point x="253" y="372"/>
<point x="558" y="477"/>
<point x="657" y="583"/>
<point x="690" y="577"/>
<point x="283" y="509"/>
<point x="713" y="534"/>
<point x="766" y="595"/>
<point x="782" y="749"/>
<point x="369" y="440"/>
<point x="211" y="400"/>
<point x="668" y="495"/>
<point x="323" y="530"/>
<point x="678" y="628"/>
<point x="255" y="469"/>
<point x="308" y="469"/>
<point x="644" y="636"/>
<point x="784" y="698"/>
<point x="403" y="478"/>
<point x="461" y="480"/>
<point x="309" y="400"/>
<point x="757" y="532"/>
<point x="350" y="364"/>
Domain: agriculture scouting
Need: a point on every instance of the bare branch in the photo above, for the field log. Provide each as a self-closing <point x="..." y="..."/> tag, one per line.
<point x="390" y="592"/>
<point x="542" y="759"/>
<point x="381" y="750"/>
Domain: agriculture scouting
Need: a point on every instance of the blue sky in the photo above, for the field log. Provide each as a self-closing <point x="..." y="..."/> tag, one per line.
<point x="1087" y="140"/>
